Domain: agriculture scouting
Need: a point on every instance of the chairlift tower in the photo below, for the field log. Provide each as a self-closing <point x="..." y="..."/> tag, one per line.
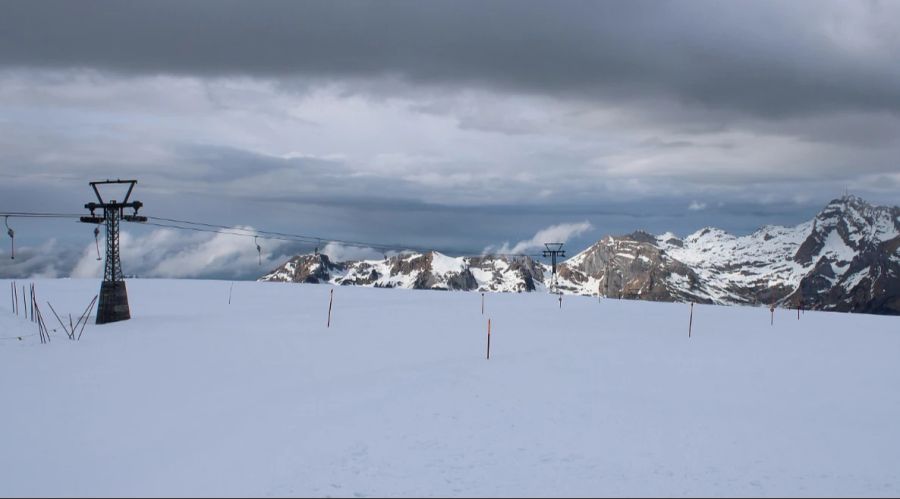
<point x="553" y="250"/>
<point x="113" y="305"/>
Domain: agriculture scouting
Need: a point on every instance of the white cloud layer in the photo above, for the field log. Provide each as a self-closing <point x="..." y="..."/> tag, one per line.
<point x="171" y="253"/>
<point x="560" y="233"/>
<point x="47" y="260"/>
<point x="696" y="206"/>
<point x="340" y="253"/>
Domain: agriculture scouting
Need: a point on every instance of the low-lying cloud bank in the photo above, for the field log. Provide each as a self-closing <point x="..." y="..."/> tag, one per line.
<point x="554" y="234"/>
<point x="164" y="253"/>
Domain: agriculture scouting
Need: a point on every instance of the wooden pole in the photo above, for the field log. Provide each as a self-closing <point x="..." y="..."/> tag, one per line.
<point x="70" y="335"/>
<point x="33" y="299"/>
<point x="40" y="329"/>
<point x="41" y="318"/>
<point x="42" y="325"/>
<point x="36" y="313"/>
<point x="41" y="333"/>
<point x="330" y="301"/>
<point x="489" y="341"/>
<point x="691" y="321"/>
<point x="86" y="316"/>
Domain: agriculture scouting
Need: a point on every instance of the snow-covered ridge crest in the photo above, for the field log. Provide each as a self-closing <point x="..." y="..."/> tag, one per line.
<point x="844" y="259"/>
<point x="431" y="270"/>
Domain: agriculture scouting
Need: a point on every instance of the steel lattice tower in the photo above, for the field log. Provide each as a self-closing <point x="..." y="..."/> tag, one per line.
<point x="112" y="269"/>
<point x="113" y="305"/>
<point x="553" y="250"/>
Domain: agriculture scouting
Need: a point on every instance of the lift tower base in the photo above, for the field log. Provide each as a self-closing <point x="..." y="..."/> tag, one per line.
<point x="113" y="305"/>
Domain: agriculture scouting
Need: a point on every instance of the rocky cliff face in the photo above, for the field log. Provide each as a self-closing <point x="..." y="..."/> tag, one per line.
<point x="430" y="270"/>
<point x="632" y="267"/>
<point x="846" y="259"/>
<point x="853" y="250"/>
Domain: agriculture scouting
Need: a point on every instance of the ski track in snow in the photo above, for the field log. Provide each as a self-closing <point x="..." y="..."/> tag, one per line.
<point x="195" y="397"/>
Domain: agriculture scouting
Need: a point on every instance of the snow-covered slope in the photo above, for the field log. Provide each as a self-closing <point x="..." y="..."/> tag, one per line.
<point x="746" y="269"/>
<point x="194" y="397"/>
<point x="845" y="259"/>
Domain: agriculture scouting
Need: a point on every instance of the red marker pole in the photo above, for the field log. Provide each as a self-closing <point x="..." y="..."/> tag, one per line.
<point x="691" y="321"/>
<point x="489" y="341"/>
<point x="330" y="301"/>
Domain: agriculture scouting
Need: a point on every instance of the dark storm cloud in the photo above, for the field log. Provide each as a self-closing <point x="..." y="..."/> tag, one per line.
<point x="449" y="125"/>
<point x="760" y="58"/>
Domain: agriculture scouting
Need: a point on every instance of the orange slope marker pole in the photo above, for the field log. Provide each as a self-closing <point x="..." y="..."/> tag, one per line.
<point x="489" y="341"/>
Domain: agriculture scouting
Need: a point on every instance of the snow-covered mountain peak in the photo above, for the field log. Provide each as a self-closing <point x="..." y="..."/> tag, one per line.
<point x="849" y="226"/>
<point x="846" y="258"/>
<point x="858" y="216"/>
<point x="430" y="270"/>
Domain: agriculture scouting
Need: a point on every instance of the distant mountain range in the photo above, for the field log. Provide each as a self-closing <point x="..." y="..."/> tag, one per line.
<point x="845" y="259"/>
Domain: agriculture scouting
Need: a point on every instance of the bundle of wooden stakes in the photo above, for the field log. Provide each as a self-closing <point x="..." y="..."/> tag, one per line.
<point x="37" y="317"/>
<point x="82" y="321"/>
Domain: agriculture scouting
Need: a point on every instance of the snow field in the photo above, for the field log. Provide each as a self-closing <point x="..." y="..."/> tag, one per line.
<point x="601" y="398"/>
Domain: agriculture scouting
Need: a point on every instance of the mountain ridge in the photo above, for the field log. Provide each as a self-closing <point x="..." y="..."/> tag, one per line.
<point x="847" y="258"/>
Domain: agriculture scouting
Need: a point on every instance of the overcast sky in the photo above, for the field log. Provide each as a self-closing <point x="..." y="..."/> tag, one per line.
<point x="453" y="125"/>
